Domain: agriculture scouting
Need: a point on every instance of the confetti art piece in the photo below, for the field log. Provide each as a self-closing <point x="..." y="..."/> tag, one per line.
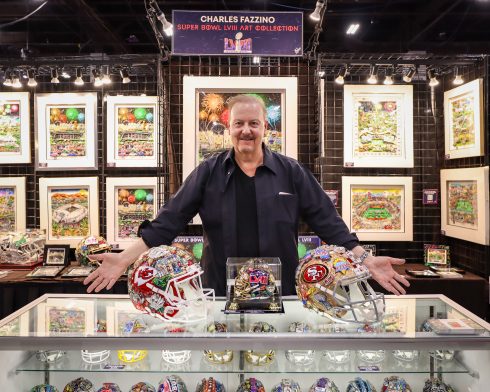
<point x="462" y="204"/>
<point x="7" y="209"/>
<point x="10" y="129"/>
<point x="61" y="320"/>
<point x="67" y="133"/>
<point x="69" y="216"/>
<point x="135" y="131"/>
<point x="462" y="132"/>
<point x="134" y="205"/>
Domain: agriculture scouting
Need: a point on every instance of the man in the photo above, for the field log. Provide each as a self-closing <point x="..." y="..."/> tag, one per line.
<point x="250" y="200"/>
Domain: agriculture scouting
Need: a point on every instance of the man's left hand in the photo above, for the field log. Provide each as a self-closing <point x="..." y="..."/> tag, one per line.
<point x="381" y="269"/>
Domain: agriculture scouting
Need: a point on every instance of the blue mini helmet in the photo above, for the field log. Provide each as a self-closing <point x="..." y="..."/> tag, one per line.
<point x="360" y="385"/>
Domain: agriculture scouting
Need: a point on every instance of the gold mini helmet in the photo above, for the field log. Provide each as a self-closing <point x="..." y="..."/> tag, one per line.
<point x="333" y="283"/>
<point x="218" y="357"/>
<point x="131" y="356"/>
<point x="257" y="357"/>
<point x="91" y="245"/>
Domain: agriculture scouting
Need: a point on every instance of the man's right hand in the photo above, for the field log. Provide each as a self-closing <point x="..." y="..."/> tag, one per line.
<point x="112" y="267"/>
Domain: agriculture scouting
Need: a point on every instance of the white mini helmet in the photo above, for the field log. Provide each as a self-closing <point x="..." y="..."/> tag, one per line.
<point x="95" y="356"/>
<point x="176" y="357"/>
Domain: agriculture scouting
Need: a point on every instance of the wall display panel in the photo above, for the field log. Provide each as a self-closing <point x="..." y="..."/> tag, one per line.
<point x="205" y="117"/>
<point x="132" y="131"/>
<point x="378" y="208"/>
<point x="464" y="204"/>
<point x="66" y="131"/>
<point x="130" y="201"/>
<point x="378" y="126"/>
<point x="12" y="204"/>
<point x="15" y="145"/>
<point x="463" y="120"/>
<point x="69" y="209"/>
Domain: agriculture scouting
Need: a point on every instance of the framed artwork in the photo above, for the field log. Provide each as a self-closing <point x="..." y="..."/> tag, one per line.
<point x="205" y="119"/>
<point x="463" y="120"/>
<point x="193" y="244"/>
<point x="69" y="209"/>
<point x="378" y="208"/>
<point x="15" y="142"/>
<point x="132" y="131"/>
<point x="56" y="255"/>
<point x="66" y="131"/>
<point x="55" y="317"/>
<point x="45" y="271"/>
<point x="78" y="271"/>
<point x="123" y="319"/>
<point x="130" y="201"/>
<point x="464" y="204"/>
<point x="436" y="255"/>
<point x="12" y="204"/>
<point x="378" y="126"/>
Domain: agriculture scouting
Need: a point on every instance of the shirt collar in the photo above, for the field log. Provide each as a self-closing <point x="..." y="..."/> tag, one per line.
<point x="269" y="161"/>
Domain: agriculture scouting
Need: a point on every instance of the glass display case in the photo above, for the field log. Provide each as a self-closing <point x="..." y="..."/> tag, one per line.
<point x="43" y="343"/>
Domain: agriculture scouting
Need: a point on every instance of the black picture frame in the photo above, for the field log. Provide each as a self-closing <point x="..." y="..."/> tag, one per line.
<point x="56" y="255"/>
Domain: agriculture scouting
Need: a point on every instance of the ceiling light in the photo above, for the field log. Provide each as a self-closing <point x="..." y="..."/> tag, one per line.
<point x="54" y="76"/>
<point x="407" y="78"/>
<point x="458" y="79"/>
<point x="316" y="15"/>
<point x="125" y="76"/>
<point x="32" y="80"/>
<point x="106" y="78"/>
<point x="8" y="79"/>
<point x="388" y="76"/>
<point x="79" y="81"/>
<point x="341" y="76"/>
<point x="168" y="27"/>
<point x="97" y="80"/>
<point x="16" y="81"/>
<point x="373" y="77"/>
<point x="65" y="74"/>
<point x="321" y="73"/>
<point x="256" y="60"/>
<point x="432" y="78"/>
<point x="352" y="29"/>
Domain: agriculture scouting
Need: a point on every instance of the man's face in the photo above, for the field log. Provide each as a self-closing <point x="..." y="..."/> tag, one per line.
<point x="247" y="127"/>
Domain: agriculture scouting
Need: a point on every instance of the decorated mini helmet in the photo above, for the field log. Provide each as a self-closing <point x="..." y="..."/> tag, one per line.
<point x="166" y="283"/>
<point x="176" y="357"/>
<point x="218" y="357"/>
<point x="360" y="385"/>
<point x="324" y="384"/>
<point x="172" y="383"/>
<point x="91" y="245"/>
<point x="109" y="387"/>
<point x="79" y="385"/>
<point x="406" y="355"/>
<point x="251" y="385"/>
<point x="436" y="385"/>
<point x="254" y="281"/>
<point x="44" y="388"/>
<point x="260" y="358"/>
<point x="337" y="356"/>
<point x="22" y="247"/>
<point x="371" y="356"/>
<point x="142" y="387"/>
<point x="136" y="325"/>
<point x="49" y="356"/>
<point x="300" y="357"/>
<point x="131" y="356"/>
<point x="330" y="281"/>
<point x="210" y="385"/>
<point x="95" y="356"/>
<point x="286" y="385"/>
<point x="395" y="384"/>
<point x="442" y="355"/>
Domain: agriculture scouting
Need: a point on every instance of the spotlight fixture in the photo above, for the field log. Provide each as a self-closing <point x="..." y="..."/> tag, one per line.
<point x="388" y="76"/>
<point x="65" y="74"/>
<point x="168" y="28"/>
<point x="373" y="77"/>
<point x="432" y="78"/>
<point x="341" y="75"/>
<point x="458" y="79"/>
<point x="125" y="75"/>
<point x="316" y="15"/>
<point x="8" y="79"/>
<point x="352" y="29"/>
<point x="32" y="79"/>
<point x="97" y="80"/>
<point x="321" y="73"/>
<point x="256" y="60"/>
<point x="79" y="81"/>
<point x="407" y="78"/>
<point x="106" y="77"/>
<point x="54" y="76"/>
<point x="16" y="81"/>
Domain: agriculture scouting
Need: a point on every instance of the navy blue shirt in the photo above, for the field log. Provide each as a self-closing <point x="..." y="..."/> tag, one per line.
<point x="285" y="190"/>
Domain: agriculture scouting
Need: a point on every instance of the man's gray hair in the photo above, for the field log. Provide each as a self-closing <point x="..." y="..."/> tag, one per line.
<point x="246" y="98"/>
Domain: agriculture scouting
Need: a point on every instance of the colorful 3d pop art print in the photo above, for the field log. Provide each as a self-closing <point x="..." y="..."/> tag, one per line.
<point x="54" y="317"/>
<point x="378" y="208"/>
<point x="15" y="146"/>
<point x="130" y="201"/>
<point x="132" y="131"/>
<point x="69" y="209"/>
<point x="66" y="131"/>
<point x="206" y="117"/>
<point x="463" y="120"/>
<point x="12" y="204"/>
<point x="464" y="204"/>
<point x="378" y="126"/>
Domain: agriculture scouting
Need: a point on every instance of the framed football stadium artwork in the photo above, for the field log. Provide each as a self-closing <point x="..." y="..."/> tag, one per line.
<point x="132" y="131"/>
<point x="15" y="145"/>
<point x="130" y="201"/>
<point x="378" y="208"/>
<point x="463" y="120"/>
<point x="66" y="131"/>
<point x="464" y="204"/>
<point x="69" y="209"/>
<point x="54" y="317"/>
<point x="378" y="126"/>
<point x="205" y="119"/>
<point x="12" y="204"/>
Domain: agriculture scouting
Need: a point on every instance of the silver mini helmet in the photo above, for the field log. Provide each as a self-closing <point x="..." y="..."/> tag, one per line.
<point x="442" y="355"/>
<point x="49" y="356"/>
<point x="286" y="385"/>
<point x="257" y="357"/>
<point x="172" y="383"/>
<point x="436" y="385"/>
<point x="218" y="357"/>
<point x="360" y="385"/>
<point x="405" y="355"/>
<point x="371" y="356"/>
<point x="324" y="384"/>
<point x="337" y="356"/>
<point x="210" y="385"/>
<point x="395" y="384"/>
<point x="300" y="357"/>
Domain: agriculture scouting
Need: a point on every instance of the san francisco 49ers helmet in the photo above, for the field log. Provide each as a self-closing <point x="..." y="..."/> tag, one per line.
<point x="166" y="283"/>
<point x="332" y="282"/>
